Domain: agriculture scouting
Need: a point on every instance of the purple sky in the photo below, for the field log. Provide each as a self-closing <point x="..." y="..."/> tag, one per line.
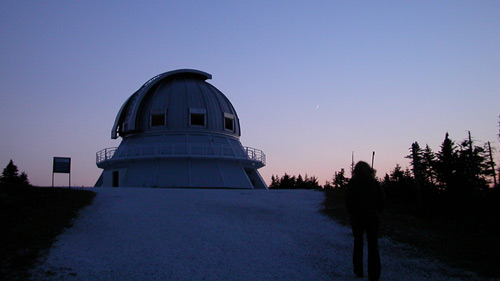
<point x="311" y="81"/>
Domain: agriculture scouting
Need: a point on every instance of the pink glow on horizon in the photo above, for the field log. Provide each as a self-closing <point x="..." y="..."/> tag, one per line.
<point x="311" y="82"/>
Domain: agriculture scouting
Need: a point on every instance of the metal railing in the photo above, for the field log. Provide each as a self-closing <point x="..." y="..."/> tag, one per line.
<point x="105" y="154"/>
<point x="181" y="150"/>
<point x="255" y="154"/>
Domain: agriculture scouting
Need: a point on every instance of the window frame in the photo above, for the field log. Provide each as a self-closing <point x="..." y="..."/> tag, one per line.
<point x="157" y="112"/>
<point x="229" y="116"/>
<point x="197" y="111"/>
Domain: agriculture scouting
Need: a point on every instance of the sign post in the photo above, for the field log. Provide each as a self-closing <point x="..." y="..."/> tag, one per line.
<point x="62" y="165"/>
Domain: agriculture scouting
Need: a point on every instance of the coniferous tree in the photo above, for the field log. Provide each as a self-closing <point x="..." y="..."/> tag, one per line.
<point x="397" y="174"/>
<point x="481" y="170"/>
<point x="416" y="157"/>
<point x="288" y="181"/>
<point x="274" y="182"/>
<point x="23" y="178"/>
<point x="299" y="183"/>
<point x="488" y="172"/>
<point x="446" y="165"/>
<point x="491" y="164"/>
<point x="285" y="182"/>
<point x="428" y="165"/>
<point x="311" y="182"/>
<point x="10" y="175"/>
<point x="386" y="179"/>
<point x="340" y="181"/>
<point x="472" y="166"/>
<point x="399" y="188"/>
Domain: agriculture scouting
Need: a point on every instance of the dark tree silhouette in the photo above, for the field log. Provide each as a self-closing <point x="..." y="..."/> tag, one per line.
<point x="10" y="172"/>
<point x="10" y="175"/>
<point x="274" y="182"/>
<point x="448" y="190"/>
<point x="399" y="187"/>
<point x="299" y="182"/>
<point x="447" y="183"/>
<point x="428" y="165"/>
<point x="23" y="178"/>
<point x="292" y="182"/>
<point x="417" y="163"/>
<point x="472" y="167"/>
<point x="340" y="181"/>
<point x="446" y="165"/>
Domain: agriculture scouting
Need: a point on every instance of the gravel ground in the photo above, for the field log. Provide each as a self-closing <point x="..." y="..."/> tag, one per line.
<point x="196" y="234"/>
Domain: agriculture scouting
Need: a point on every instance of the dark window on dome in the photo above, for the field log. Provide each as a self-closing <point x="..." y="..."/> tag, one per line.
<point x="198" y="119"/>
<point x="158" y="118"/>
<point x="228" y="122"/>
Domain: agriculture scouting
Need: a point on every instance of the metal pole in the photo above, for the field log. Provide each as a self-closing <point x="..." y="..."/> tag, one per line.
<point x="492" y="166"/>
<point x="352" y="163"/>
<point x="373" y="158"/>
<point x="69" y="173"/>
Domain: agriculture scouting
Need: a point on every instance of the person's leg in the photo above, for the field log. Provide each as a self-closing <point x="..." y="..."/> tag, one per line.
<point x="357" y="256"/>
<point x="374" y="269"/>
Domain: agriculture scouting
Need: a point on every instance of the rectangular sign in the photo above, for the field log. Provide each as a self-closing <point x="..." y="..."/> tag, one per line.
<point x="62" y="165"/>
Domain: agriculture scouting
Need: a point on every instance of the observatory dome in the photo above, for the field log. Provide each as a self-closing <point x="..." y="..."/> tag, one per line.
<point x="178" y="130"/>
<point x="177" y="100"/>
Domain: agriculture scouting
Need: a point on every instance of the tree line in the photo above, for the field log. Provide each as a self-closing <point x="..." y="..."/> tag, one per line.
<point x="455" y="179"/>
<point x="292" y="182"/>
<point x="458" y="180"/>
<point x="447" y="201"/>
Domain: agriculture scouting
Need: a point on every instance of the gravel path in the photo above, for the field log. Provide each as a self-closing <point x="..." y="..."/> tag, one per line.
<point x="193" y="234"/>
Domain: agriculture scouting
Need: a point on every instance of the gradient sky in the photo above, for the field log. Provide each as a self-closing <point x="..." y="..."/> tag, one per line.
<point x="311" y="81"/>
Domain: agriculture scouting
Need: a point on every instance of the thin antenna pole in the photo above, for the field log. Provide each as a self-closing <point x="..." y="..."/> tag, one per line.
<point x="373" y="158"/>
<point x="471" y="149"/>
<point x="352" y="164"/>
<point x="492" y="166"/>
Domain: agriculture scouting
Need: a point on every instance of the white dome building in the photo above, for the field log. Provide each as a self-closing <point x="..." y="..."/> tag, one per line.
<point x="178" y="130"/>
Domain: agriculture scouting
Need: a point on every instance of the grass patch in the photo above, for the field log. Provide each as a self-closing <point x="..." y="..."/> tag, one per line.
<point x="30" y="219"/>
<point x="459" y="242"/>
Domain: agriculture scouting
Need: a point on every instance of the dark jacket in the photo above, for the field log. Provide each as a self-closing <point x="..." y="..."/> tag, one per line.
<point x="364" y="199"/>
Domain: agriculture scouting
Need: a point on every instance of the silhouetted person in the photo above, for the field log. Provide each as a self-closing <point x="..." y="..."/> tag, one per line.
<point x="365" y="200"/>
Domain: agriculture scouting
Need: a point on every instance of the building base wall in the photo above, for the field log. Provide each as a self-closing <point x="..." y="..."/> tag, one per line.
<point x="181" y="172"/>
